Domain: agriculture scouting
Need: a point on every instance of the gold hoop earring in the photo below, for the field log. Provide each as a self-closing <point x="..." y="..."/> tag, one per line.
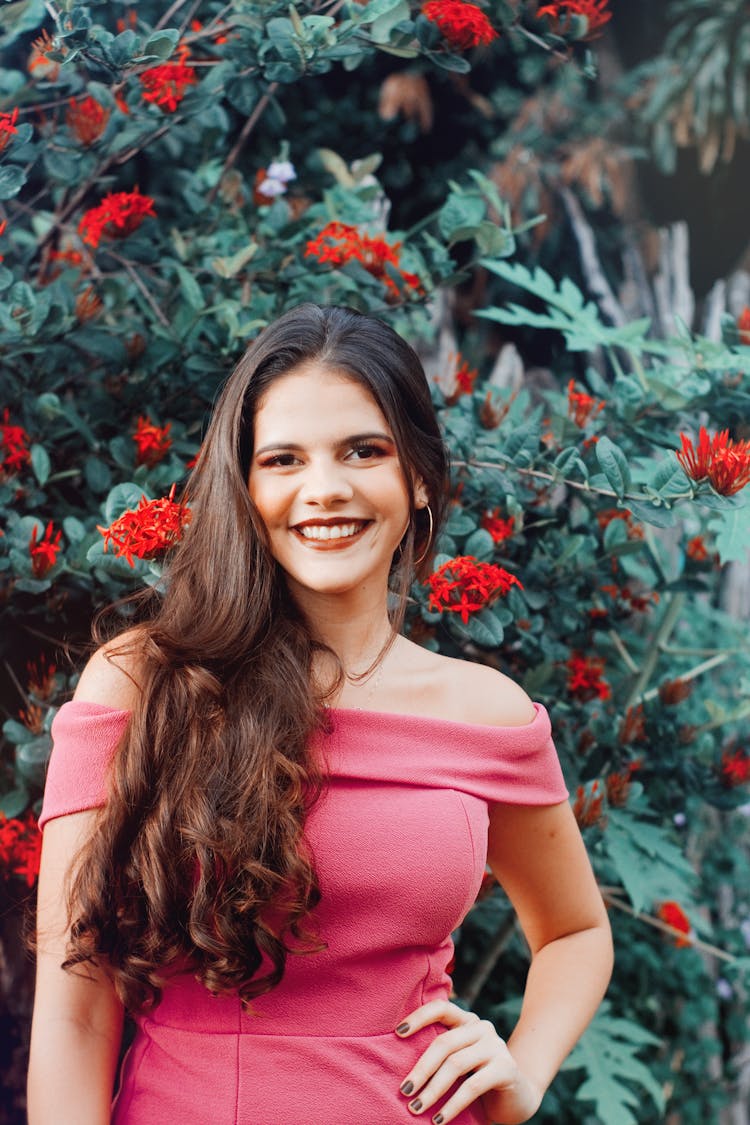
<point x="424" y="554"/>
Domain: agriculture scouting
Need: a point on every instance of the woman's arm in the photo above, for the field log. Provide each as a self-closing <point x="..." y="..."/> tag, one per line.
<point x="77" y="1023"/>
<point x="538" y="856"/>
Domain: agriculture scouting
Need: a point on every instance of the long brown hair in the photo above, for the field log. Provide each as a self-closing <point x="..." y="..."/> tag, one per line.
<point x="199" y="859"/>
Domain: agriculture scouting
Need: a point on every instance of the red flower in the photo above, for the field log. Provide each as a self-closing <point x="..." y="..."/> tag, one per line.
<point x="339" y="243"/>
<point x="498" y="528"/>
<point x="696" y="549"/>
<point x="41" y="681"/>
<point x="20" y="847"/>
<point x="8" y="127"/>
<point x="463" y="25"/>
<point x="148" y="530"/>
<point x="3" y="225"/>
<point x="152" y="442"/>
<point x="585" y="677"/>
<point x="118" y="215"/>
<point x="618" y="785"/>
<point x="14" y="446"/>
<point x="595" y="12"/>
<point x="674" y="916"/>
<point x="581" y="406"/>
<point x="87" y="119"/>
<point x="743" y="326"/>
<point x="724" y="463"/>
<point x="39" y="62"/>
<point x="88" y="304"/>
<point x="735" y="767"/>
<point x="464" y="585"/>
<point x="44" y="552"/>
<point x="166" y="85"/>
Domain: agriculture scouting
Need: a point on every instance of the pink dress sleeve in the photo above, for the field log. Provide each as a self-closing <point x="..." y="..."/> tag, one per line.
<point x="84" y="738"/>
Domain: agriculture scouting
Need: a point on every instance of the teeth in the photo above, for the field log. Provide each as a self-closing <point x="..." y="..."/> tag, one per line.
<point x="328" y="531"/>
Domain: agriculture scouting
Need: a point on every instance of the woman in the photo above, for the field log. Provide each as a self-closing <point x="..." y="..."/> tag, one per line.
<point x="273" y="809"/>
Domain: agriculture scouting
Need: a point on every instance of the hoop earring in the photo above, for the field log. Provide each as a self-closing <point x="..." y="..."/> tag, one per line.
<point x="424" y="554"/>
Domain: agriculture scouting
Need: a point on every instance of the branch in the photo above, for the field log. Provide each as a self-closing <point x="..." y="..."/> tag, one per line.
<point x="663" y="633"/>
<point x="140" y="285"/>
<point x="488" y="960"/>
<point x="610" y="898"/>
<point x="247" y="129"/>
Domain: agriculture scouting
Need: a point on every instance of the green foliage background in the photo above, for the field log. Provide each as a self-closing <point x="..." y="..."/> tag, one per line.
<point x="183" y="294"/>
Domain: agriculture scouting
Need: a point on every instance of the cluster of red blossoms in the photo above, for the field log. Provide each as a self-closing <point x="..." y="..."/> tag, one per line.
<point x="463" y="25"/>
<point x="147" y="531"/>
<point x="582" y="406"/>
<point x="8" y="127"/>
<point x="499" y="529"/>
<point x="43" y="552"/>
<point x="673" y="915"/>
<point x="86" y="119"/>
<point x="463" y="585"/>
<point x="152" y="442"/>
<point x="735" y="767"/>
<point x="595" y="11"/>
<point x="339" y="243"/>
<point x="585" y="677"/>
<point x="20" y="847"/>
<point x="166" y="85"/>
<point x="743" y="326"/>
<point x="14" y="446"/>
<point x="118" y="215"/>
<point x="723" y="463"/>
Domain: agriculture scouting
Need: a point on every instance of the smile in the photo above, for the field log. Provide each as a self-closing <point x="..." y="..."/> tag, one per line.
<point x="329" y="532"/>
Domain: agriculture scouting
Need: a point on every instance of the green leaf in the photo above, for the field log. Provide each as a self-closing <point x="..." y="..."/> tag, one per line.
<point x="32" y="758"/>
<point x="485" y="630"/>
<point x="161" y="44"/>
<point x="19" y="17"/>
<point x="190" y="288"/>
<point x="614" y="465"/>
<point x="14" y="802"/>
<point x="732" y="530"/>
<point x="650" y="866"/>
<point x="40" y="463"/>
<point x="16" y="732"/>
<point x="122" y="498"/>
<point x="480" y="544"/>
<point x="12" y="179"/>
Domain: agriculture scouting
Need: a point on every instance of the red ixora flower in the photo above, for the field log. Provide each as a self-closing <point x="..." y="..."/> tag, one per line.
<point x="595" y="11"/>
<point x="724" y="463"/>
<point x="148" y="530"/>
<point x="14" y="446"/>
<point x="339" y="243"/>
<point x="581" y="406"/>
<point x="743" y="326"/>
<point x="20" y="847"/>
<point x="44" y="551"/>
<point x="735" y="767"/>
<point x="152" y="442"/>
<point x="8" y="127"/>
<point x="463" y="585"/>
<point x="499" y="529"/>
<point x="585" y="677"/>
<point x="166" y="85"/>
<point x="86" y="119"/>
<point x="118" y="215"/>
<point x="463" y="25"/>
<point x="674" y="916"/>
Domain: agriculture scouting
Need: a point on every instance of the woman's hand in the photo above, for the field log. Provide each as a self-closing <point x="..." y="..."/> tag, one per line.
<point x="470" y="1050"/>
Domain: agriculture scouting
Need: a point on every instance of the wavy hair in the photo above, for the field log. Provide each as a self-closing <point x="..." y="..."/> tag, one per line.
<point x="198" y="860"/>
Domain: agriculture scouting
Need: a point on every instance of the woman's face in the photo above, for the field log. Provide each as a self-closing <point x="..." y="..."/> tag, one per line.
<point x="327" y="481"/>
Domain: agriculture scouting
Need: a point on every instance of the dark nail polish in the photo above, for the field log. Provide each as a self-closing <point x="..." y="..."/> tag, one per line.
<point x="438" y="1119"/>
<point x="402" y="1029"/>
<point x="416" y="1105"/>
<point x="407" y="1088"/>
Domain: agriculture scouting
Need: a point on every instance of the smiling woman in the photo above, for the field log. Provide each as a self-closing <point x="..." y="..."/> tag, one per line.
<point x="265" y="874"/>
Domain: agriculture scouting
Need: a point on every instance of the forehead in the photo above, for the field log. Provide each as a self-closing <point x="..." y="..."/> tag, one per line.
<point x="316" y="400"/>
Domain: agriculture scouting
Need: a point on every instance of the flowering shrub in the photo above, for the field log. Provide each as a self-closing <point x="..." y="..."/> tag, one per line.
<point x="589" y="535"/>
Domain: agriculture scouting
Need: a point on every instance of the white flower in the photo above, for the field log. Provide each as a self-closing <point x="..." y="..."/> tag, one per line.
<point x="282" y="170"/>
<point x="271" y="186"/>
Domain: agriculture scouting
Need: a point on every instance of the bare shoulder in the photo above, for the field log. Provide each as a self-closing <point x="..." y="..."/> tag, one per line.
<point x="463" y="691"/>
<point x="112" y="676"/>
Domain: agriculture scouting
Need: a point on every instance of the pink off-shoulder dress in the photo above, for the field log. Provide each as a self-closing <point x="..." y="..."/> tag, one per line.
<point x="399" y="839"/>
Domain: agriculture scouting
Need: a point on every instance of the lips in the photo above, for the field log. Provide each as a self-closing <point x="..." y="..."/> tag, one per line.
<point x="330" y="531"/>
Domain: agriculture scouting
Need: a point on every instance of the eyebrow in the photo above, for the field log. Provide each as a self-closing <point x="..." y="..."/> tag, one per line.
<point x="351" y="440"/>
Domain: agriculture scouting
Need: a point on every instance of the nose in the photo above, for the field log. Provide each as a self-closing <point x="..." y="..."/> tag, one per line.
<point x="326" y="482"/>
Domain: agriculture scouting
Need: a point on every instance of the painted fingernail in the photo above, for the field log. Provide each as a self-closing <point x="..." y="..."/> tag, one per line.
<point x="402" y="1029"/>
<point x="438" y="1119"/>
<point x="407" y="1088"/>
<point x="416" y="1105"/>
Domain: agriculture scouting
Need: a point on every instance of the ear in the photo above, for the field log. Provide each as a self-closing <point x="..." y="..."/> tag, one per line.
<point x="421" y="498"/>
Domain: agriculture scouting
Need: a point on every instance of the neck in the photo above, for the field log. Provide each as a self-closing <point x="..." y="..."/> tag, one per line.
<point x="357" y="630"/>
